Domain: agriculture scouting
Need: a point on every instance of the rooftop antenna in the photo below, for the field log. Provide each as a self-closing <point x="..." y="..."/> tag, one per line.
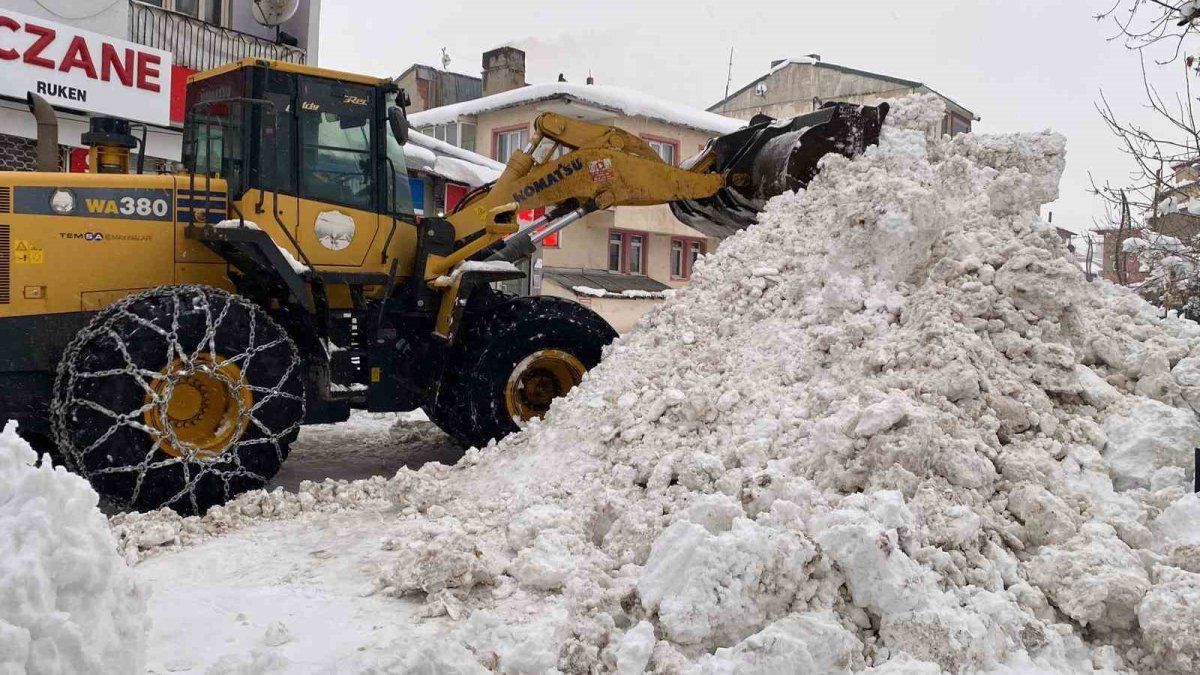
<point x="728" y="80"/>
<point x="445" y="59"/>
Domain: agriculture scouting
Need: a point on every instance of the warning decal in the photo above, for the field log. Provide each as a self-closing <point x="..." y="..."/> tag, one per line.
<point x="27" y="253"/>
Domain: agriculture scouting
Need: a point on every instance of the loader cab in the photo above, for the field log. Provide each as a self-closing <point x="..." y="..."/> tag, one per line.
<point x="303" y="150"/>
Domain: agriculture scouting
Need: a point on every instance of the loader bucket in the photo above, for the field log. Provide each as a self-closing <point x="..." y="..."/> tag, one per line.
<point x="770" y="157"/>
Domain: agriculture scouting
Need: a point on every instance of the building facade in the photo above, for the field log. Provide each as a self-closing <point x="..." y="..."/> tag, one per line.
<point x="429" y="87"/>
<point x="1177" y="215"/>
<point x="797" y="86"/>
<point x="622" y="261"/>
<point x="128" y="59"/>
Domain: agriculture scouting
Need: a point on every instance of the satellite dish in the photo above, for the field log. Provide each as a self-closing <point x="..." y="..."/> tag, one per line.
<point x="273" y="12"/>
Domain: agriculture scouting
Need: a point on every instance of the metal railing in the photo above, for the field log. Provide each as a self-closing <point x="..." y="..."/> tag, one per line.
<point x="199" y="45"/>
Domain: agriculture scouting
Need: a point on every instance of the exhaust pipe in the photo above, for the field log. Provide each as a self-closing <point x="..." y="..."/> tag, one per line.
<point x="47" y="133"/>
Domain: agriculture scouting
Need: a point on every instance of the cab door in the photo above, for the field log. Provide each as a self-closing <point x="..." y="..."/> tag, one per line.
<point x="272" y="202"/>
<point x="337" y="219"/>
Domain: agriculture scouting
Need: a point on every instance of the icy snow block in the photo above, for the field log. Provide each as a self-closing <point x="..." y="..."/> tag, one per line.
<point x="68" y="602"/>
<point x="1149" y="437"/>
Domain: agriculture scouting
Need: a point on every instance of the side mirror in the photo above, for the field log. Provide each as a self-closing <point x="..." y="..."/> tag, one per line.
<point x="398" y="122"/>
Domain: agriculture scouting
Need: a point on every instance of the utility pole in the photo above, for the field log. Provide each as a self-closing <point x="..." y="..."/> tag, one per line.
<point x="728" y="81"/>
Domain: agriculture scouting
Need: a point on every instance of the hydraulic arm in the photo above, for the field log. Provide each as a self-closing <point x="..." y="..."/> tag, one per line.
<point x="718" y="192"/>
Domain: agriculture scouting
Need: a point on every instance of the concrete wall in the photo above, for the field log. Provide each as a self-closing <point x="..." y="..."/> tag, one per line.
<point x="621" y="313"/>
<point x="791" y="89"/>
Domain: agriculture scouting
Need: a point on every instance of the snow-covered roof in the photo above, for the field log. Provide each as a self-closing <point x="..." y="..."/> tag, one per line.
<point x="618" y="100"/>
<point x="430" y="155"/>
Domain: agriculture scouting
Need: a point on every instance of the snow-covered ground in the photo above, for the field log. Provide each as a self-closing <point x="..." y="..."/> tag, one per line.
<point x="368" y="444"/>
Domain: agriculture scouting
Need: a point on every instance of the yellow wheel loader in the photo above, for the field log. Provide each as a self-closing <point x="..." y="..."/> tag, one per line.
<point x="165" y="336"/>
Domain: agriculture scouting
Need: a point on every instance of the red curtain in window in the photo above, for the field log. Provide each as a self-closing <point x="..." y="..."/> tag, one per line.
<point x="454" y="195"/>
<point x="525" y="217"/>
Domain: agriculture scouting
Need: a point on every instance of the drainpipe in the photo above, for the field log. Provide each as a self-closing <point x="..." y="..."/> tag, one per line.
<point x="47" y="133"/>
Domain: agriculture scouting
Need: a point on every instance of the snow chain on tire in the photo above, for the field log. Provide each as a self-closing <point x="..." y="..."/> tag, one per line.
<point x="180" y="396"/>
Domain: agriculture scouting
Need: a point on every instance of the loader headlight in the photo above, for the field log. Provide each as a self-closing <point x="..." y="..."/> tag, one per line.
<point x="62" y="201"/>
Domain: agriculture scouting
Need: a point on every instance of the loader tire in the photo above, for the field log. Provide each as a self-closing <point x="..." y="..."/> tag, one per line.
<point x="180" y="396"/>
<point x="513" y="358"/>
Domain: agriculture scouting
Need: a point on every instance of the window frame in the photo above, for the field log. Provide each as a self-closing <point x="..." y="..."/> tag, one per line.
<point x="202" y="7"/>
<point x="498" y="131"/>
<point x="651" y="139"/>
<point x="626" y="241"/>
<point x="686" y="248"/>
<point x="376" y="147"/>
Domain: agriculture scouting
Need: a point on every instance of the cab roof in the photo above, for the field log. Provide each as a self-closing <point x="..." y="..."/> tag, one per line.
<point x="313" y="71"/>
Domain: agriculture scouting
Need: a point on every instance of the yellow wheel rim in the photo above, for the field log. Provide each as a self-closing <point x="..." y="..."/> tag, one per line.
<point x="198" y="406"/>
<point x="539" y="379"/>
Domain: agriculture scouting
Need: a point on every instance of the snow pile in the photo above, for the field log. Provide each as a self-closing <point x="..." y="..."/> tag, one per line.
<point x="891" y="427"/>
<point x="68" y="603"/>
<point x="424" y="153"/>
<point x="141" y="534"/>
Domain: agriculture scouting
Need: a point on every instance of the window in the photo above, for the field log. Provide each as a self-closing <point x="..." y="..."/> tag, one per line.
<point x="636" y="249"/>
<point x="466" y="136"/>
<point x="666" y="148"/>
<point x="684" y="253"/>
<point x="212" y="11"/>
<point x="336" y="142"/>
<point x="955" y="124"/>
<point x="460" y="135"/>
<point x="627" y="252"/>
<point x="616" y="249"/>
<point x="277" y="157"/>
<point x="507" y="141"/>
<point x="213" y="144"/>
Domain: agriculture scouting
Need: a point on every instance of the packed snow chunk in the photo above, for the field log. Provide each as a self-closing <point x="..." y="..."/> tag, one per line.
<point x="715" y="590"/>
<point x="1176" y="533"/>
<point x="879" y="574"/>
<point x="68" y="602"/>
<point x="635" y="648"/>
<point x="955" y="639"/>
<point x="1095" y="390"/>
<point x="1151" y="436"/>
<point x="881" y="416"/>
<point x="546" y="565"/>
<point x="1169" y="617"/>
<point x="813" y="642"/>
<point x="1094" y="578"/>
<point x="517" y="648"/>
<point x="1179" y="523"/>
<point x="436" y="555"/>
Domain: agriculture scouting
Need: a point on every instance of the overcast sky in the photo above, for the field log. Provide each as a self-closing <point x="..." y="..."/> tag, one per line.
<point x="1019" y="64"/>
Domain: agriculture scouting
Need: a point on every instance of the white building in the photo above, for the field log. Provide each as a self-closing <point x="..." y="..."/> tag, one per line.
<point x="128" y="59"/>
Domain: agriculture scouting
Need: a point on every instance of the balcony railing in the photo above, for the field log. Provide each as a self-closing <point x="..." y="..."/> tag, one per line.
<point x="199" y="45"/>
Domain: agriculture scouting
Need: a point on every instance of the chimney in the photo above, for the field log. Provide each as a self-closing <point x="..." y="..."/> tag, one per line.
<point x="503" y="69"/>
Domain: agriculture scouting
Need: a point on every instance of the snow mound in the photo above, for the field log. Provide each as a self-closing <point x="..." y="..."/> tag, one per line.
<point x="889" y="427"/>
<point x="140" y="534"/>
<point x="68" y="603"/>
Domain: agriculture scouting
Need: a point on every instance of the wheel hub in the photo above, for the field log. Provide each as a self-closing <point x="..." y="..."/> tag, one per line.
<point x="538" y="379"/>
<point x="198" y="407"/>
